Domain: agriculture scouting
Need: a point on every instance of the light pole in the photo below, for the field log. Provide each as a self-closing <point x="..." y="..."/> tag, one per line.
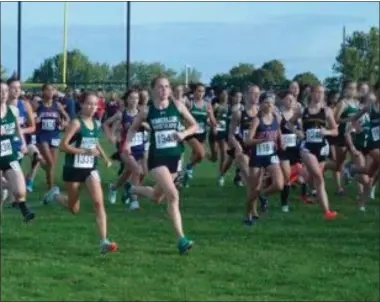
<point x="128" y="42"/>
<point x="19" y="19"/>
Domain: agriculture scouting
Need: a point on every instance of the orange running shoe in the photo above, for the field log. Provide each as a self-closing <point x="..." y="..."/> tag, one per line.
<point x="108" y="247"/>
<point x="330" y="215"/>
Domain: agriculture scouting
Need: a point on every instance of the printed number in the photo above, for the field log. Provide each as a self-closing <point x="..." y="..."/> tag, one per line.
<point x="6" y="148"/>
<point x="314" y="136"/>
<point x="290" y="140"/>
<point x="48" y="124"/>
<point x="264" y="149"/>
<point x="83" y="161"/>
<point x="376" y="133"/>
<point x="325" y="150"/>
<point x="165" y="139"/>
<point x="138" y="139"/>
<point x="55" y="142"/>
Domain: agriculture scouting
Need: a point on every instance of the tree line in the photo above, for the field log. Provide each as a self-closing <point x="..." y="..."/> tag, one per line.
<point x="357" y="59"/>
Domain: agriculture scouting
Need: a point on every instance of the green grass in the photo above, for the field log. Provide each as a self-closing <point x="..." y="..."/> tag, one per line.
<point x="294" y="256"/>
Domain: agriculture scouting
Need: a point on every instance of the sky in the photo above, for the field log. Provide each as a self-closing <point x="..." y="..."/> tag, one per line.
<point x="324" y="20"/>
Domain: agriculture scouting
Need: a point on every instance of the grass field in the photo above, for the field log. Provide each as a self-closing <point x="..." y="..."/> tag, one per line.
<point x="286" y="257"/>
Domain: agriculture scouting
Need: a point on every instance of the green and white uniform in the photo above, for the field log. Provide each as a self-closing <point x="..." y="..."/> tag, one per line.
<point x="374" y="135"/>
<point x="221" y="116"/>
<point x="201" y="116"/>
<point x="360" y="139"/>
<point x="164" y="149"/>
<point x="8" y="152"/>
<point x="350" y="110"/>
<point x="78" y="167"/>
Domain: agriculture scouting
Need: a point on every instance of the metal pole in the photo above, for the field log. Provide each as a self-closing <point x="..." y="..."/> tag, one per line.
<point x="64" y="63"/>
<point x="128" y="44"/>
<point x="19" y="19"/>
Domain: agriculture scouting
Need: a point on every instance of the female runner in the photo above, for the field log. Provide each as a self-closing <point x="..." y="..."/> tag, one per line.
<point x="81" y="145"/>
<point x="164" y="117"/>
<point x="264" y="136"/>
<point x="10" y="168"/>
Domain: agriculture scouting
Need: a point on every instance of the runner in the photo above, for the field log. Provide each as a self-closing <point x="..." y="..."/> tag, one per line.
<point x="10" y="168"/>
<point x="81" y="146"/>
<point x="164" y="117"/>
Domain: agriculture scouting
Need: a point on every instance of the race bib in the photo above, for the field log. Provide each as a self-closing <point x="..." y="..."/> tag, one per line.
<point x="245" y="134"/>
<point x="274" y="159"/>
<point x="375" y="133"/>
<point x="48" y="124"/>
<point x="314" y="136"/>
<point x="138" y="139"/>
<point x="165" y="139"/>
<point x="237" y="130"/>
<point x="265" y="149"/>
<point x="290" y="140"/>
<point x="55" y="142"/>
<point x="325" y="150"/>
<point x="221" y="126"/>
<point x="83" y="161"/>
<point x="6" y="148"/>
<point x="201" y="128"/>
<point x="33" y="139"/>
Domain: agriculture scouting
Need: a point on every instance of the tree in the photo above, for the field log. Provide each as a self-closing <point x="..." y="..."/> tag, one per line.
<point x="306" y="78"/>
<point x="332" y="83"/>
<point x="79" y="69"/>
<point x="193" y="76"/>
<point x="358" y="57"/>
<point x="3" y="72"/>
<point x="242" y="69"/>
<point x="220" y="81"/>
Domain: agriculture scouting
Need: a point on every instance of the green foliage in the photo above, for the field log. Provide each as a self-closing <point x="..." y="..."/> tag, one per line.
<point x="3" y="72"/>
<point x="306" y="78"/>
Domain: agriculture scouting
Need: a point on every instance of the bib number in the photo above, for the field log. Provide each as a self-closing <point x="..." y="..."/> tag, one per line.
<point x="290" y="140"/>
<point x="48" y="124"/>
<point x="165" y="139"/>
<point x="138" y="139"/>
<point x="325" y="150"/>
<point x="265" y="149"/>
<point x="314" y="136"/>
<point x="83" y="161"/>
<point x="375" y="133"/>
<point x="6" y="148"/>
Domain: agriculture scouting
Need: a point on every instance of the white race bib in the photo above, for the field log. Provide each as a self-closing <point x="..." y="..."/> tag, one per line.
<point x="165" y="139"/>
<point x="6" y="148"/>
<point x="33" y="139"/>
<point x="325" y="150"/>
<point x="138" y="139"/>
<point x="201" y="128"/>
<point x="314" y="136"/>
<point x="290" y="140"/>
<point x="83" y="161"/>
<point x="237" y="130"/>
<point x="221" y="126"/>
<point x="375" y="133"/>
<point x="48" y="124"/>
<point x="55" y="142"/>
<point x="265" y="149"/>
<point x="245" y="134"/>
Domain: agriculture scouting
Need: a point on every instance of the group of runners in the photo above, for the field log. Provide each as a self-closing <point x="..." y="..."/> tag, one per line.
<point x="273" y="143"/>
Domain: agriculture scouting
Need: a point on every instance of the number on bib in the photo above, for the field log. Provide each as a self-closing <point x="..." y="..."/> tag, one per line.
<point x="265" y="149"/>
<point x="6" y="148"/>
<point x="48" y="124"/>
<point x="325" y="150"/>
<point x="83" y="161"/>
<point x="314" y="136"/>
<point x="55" y="142"/>
<point x="138" y="139"/>
<point x="290" y="140"/>
<point x="165" y="139"/>
<point x="375" y="133"/>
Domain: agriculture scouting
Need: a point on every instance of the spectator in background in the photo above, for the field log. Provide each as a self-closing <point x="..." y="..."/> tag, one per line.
<point x="112" y="105"/>
<point x="101" y="104"/>
<point x="69" y="103"/>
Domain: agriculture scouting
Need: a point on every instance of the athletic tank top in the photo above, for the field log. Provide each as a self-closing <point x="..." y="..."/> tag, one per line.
<point x="8" y="153"/>
<point x="245" y="124"/>
<point x="200" y="115"/>
<point x="22" y="122"/>
<point x="85" y="138"/>
<point x="269" y="132"/>
<point x="312" y="124"/>
<point x="48" y="118"/>
<point x="221" y="116"/>
<point x="164" y="123"/>
<point x="289" y="137"/>
<point x="349" y="110"/>
<point x="137" y="144"/>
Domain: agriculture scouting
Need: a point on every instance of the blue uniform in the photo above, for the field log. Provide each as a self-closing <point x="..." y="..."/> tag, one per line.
<point x="138" y="142"/>
<point x="22" y="122"/>
<point x="265" y="154"/>
<point x="48" y="125"/>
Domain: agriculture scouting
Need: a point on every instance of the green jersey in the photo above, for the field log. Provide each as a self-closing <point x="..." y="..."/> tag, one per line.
<point x="164" y="123"/>
<point x="349" y="110"/>
<point x="221" y="116"/>
<point x="85" y="138"/>
<point x="7" y="135"/>
<point x="200" y="115"/>
<point x="361" y="138"/>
